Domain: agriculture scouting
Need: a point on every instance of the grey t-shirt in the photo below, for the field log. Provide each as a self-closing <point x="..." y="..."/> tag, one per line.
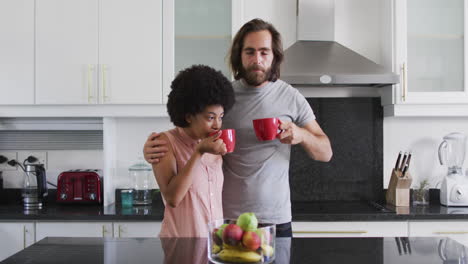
<point x="256" y="174"/>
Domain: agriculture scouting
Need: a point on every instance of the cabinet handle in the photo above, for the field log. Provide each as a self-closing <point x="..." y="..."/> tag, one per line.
<point x="90" y="82"/>
<point x="330" y="232"/>
<point x="103" y="230"/>
<point x="451" y="232"/>
<point x="24" y="236"/>
<point x="120" y="230"/>
<point x="404" y="89"/>
<point x="104" y="82"/>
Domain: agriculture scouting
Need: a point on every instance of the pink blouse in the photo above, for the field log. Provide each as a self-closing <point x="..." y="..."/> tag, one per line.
<point x="203" y="201"/>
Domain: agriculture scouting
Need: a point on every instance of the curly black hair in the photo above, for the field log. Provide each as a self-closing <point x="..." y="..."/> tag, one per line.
<point x="195" y="88"/>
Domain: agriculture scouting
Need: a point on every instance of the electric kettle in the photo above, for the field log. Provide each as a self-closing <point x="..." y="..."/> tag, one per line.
<point x="35" y="186"/>
<point x="34" y="189"/>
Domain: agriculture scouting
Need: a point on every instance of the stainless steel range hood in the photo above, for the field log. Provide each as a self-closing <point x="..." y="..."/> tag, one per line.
<point x="316" y="59"/>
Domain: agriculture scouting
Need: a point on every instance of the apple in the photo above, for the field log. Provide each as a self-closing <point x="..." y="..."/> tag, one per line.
<point x="232" y="234"/>
<point x="220" y="230"/>
<point x="217" y="239"/>
<point x="247" y="221"/>
<point x="251" y="240"/>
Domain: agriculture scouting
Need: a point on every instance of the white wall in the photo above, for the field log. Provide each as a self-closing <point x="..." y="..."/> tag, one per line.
<point x="281" y="13"/>
<point x="422" y="136"/>
<point x="57" y="162"/>
<point x="123" y="144"/>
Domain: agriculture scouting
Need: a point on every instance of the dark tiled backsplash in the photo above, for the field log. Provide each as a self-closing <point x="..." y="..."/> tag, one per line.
<point x="355" y="128"/>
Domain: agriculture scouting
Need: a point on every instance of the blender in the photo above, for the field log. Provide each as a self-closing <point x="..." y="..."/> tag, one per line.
<point x="454" y="188"/>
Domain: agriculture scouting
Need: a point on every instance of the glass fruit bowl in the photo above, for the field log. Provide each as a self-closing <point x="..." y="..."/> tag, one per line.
<point x="228" y="242"/>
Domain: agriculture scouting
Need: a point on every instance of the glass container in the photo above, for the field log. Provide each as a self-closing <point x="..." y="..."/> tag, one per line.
<point x="141" y="173"/>
<point x="237" y="246"/>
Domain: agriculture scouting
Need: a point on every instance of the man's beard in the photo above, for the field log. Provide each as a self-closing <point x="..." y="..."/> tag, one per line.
<point x="255" y="78"/>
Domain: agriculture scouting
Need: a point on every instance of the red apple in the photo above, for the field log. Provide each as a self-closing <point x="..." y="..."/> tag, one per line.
<point x="251" y="240"/>
<point x="232" y="234"/>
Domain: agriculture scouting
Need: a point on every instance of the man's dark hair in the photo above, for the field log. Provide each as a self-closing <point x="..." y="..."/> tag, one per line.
<point x="195" y="88"/>
<point x="235" y="55"/>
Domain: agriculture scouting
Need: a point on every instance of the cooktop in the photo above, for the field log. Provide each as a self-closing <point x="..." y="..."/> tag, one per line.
<point x="339" y="207"/>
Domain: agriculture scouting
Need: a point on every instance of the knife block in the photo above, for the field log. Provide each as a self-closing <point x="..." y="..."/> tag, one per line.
<point x="398" y="192"/>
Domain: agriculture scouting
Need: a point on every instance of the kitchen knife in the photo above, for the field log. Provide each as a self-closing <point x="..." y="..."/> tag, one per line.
<point x="397" y="165"/>
<point x="403" y="162"/>
<point x="409" y="159"/>
<point x="403" y="172"/>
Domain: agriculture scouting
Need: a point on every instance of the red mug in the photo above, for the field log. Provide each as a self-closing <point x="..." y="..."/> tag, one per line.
<point x="267" y="128"/>
<point x="229" y="138"/>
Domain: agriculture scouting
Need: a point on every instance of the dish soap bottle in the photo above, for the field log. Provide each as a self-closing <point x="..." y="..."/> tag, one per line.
<point x="141" y="174"/>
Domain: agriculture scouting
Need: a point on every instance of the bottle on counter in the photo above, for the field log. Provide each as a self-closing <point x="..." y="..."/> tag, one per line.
<point x="141" y="173"/>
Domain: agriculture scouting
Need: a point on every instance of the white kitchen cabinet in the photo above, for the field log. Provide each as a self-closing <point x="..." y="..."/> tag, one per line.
<point x="130" y="52"/>
<point x="73" y="229"/>
<point x="429" y="55"/>
<point x="16" y="52"/>
<point x="350" y="229"/>
<point x="99" y="51"/>
<point x="137" y="229"/>
<point x="15" y="237"/>
<point x="457" y="230"/>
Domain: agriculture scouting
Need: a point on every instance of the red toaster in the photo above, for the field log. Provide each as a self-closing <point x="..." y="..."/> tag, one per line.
<point x="79" y="186"/>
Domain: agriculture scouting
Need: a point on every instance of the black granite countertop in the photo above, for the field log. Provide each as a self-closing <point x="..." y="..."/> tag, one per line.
<point x="296" y="250"/>
<point x="301" y="211"/>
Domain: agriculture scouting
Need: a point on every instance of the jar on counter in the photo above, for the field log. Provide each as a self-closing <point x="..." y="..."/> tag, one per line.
<point x="141" y="173"/>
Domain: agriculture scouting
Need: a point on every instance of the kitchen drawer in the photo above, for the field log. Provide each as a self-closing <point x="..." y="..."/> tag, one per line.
<point x="350" y="229"/>
<point x="457" y="230"/>
<point x="73" y="229"/>
<point x="137" y="229"/>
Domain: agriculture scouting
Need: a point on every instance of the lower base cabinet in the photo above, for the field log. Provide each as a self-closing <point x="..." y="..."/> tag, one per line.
<point x="350" y="229"/>
<point x="15" y="237"/>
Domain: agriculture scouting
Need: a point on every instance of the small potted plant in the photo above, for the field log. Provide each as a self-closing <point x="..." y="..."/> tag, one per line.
<point x="421" y="194"/>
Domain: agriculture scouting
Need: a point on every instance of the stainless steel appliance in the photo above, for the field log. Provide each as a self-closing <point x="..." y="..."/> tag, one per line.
<point x="317" y="59"/>
<point x="454" y="188"/>
<point x="35" y="186"/>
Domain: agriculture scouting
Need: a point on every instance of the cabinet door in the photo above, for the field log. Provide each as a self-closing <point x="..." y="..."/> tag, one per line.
<point x="137" y="229"/>
<point x="66" y="51"/>
<point x="131" y="52"/>
<point x="349" y="229"/>
<point x="15" y="237"/>
<point x="202" y="35"/>
<point x="73" y="229"/>
<point x="430" y="51"/>
<point x="457" y="230"/>
<point x="17" y="52"/>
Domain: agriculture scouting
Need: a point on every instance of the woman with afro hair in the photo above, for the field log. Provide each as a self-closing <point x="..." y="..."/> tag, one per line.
<point x="190" y="175"/>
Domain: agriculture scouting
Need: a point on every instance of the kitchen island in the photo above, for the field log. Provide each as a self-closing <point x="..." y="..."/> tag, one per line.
<point x="193" y="250"/>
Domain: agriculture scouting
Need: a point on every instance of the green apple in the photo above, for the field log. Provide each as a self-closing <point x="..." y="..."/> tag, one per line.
<point x="247" y="221"/>
<point x="219" y="232"/>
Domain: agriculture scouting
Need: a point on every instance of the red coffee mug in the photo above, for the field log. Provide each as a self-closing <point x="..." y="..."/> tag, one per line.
<point x="229" y="138"/>
<point x="267" y="128"/>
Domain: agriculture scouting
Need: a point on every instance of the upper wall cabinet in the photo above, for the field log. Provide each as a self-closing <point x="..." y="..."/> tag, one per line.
<point x="430" y="56"/>
<point x="17" y="51"/>
<point x="98" y="51"/>
<point x="198" y="33"/>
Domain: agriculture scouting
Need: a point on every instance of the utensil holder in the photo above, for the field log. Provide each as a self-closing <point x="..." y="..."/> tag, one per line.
<point x="398" y="192"/>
